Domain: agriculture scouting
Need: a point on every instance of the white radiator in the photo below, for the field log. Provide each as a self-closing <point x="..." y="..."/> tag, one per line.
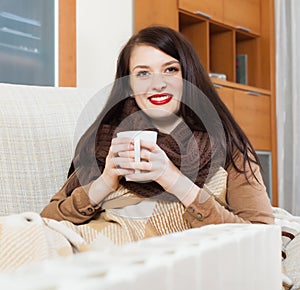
<point x="215" y="257"/>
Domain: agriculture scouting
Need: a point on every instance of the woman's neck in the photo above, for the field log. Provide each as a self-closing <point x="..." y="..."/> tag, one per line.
<point x="167" y="125"/>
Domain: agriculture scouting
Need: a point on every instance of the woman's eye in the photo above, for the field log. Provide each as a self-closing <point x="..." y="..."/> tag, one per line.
<point x="142" y="74"/>
<point x="172" y="69"/>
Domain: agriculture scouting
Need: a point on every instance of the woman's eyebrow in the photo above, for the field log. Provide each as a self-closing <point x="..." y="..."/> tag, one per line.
<point x="171" y="62"/>
<point x="140" y="66"/>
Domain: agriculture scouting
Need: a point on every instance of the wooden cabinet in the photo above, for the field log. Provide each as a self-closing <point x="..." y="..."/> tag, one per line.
<point x="243" y="15"/>
<point x="225" y="33"/>
<point x="206" y="8"/>
<point x="227" y="96"/>
<point x="252" y="111"/>
<point x="155" y="12"/>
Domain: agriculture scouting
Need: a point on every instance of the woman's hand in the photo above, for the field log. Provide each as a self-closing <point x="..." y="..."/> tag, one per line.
<point x="109" y="179"/>
<point x="115" y="165"/>
<point x="154" y="165"/>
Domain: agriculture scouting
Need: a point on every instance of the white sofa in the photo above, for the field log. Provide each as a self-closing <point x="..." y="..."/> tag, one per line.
<point x="38" y="131"/>
<point x="39" y="127"/>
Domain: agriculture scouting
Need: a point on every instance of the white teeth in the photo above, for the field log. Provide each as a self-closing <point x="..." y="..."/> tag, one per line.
<point x="162" y="98"/>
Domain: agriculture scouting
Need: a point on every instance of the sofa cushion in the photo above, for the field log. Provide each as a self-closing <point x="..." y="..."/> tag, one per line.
<point x="38" y="131"/>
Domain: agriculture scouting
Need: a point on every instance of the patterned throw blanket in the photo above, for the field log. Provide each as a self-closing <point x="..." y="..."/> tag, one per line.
<point x="27" y="238"/>
<point x="290" y="227"/>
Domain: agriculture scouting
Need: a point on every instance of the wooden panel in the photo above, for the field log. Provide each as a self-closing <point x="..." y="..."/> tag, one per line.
<point x="244" y="14"/>
<point x="267" y="46"/>
<point x="249" y="47"/>
<point x="222" y="53"/>
<point x="67" y="43"/>
<point x="198" y="34"/>
<point x="213" y="9"/>
<point x="268" y="68"/>
<point x="227" y="96"/>
<point x="253" y="113"/>
<point x="155" y="12"/>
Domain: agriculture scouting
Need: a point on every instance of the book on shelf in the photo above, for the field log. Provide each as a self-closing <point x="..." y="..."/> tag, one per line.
<point x="241" y="69"/>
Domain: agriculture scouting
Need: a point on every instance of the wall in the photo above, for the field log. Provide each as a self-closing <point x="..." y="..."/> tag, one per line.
<point x="103" y="27"/>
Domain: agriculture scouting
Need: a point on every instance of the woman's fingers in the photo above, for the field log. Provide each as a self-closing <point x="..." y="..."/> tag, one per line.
<point x="145" y="175"/>
<point x="123" y="162"/>
<point x="121" y="144"/>
<point x="150" y="145"/>
<point x="116" y="149"/>
<point x="145" y="154"/>
<point x="123" y="172"/>
<point x="121" y="140"/>
<point x="152" y="165"/>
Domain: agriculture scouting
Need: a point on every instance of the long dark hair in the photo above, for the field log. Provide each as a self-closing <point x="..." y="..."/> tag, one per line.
<point x="177" y="46"/>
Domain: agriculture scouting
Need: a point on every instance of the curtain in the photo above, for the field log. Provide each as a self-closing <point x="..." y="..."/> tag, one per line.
<point x="288" y="102"/>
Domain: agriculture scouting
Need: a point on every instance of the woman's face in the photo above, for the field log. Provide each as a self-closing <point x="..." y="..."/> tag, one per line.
<point x="156" y="81"/>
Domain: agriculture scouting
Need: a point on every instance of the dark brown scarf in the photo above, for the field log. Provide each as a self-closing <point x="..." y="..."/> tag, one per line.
<point x="191" y="152"/>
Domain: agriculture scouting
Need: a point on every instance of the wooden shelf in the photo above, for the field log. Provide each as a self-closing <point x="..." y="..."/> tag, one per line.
<point x="206" y="8"/>
<point x="219" y="44"/>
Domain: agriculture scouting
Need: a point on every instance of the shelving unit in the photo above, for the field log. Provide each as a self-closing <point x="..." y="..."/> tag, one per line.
<point x="220" y="30"/>
<point x="27" y="42"/>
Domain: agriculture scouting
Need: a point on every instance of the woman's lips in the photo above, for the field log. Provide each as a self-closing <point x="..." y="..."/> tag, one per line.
<point x="160" y="99"/>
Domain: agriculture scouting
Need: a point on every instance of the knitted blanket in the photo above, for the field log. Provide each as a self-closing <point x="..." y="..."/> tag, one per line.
<point x="28" y="238"/>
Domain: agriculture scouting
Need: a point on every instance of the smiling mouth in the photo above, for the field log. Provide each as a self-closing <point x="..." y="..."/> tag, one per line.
<point x="160" y="99"/>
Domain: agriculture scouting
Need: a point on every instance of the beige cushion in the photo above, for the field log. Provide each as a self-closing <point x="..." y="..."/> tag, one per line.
<point x="38" y="129"/>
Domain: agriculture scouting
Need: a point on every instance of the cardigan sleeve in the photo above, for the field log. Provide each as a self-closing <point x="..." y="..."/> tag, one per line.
<point x="74" y="207"/>
<point x="247" y="200"/>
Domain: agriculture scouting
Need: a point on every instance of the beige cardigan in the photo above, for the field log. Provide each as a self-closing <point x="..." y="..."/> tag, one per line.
<point x="246" y="203"/>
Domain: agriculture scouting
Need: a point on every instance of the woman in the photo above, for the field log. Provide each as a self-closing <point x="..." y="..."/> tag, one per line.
<point x="161" y="85"/>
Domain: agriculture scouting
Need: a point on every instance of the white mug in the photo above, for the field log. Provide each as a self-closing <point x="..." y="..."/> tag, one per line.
<point x="137" y="136"/>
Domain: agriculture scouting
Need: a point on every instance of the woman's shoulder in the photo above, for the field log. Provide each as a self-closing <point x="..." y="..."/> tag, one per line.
<point x="243" y="163"/>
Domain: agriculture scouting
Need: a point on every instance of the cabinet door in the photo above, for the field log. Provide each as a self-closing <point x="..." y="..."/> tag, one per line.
<point x="155" y="12"/>
<point x="206" y="8"/>
<point x="253" y="113"/>
<point x="227" y="96"/>
<point x="244" y="15"/>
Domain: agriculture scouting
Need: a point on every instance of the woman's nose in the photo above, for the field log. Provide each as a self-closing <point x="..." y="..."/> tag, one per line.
<point x="158" y="82"/>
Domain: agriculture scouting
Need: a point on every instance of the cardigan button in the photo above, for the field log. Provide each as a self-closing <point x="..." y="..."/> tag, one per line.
<point x="199" y="216"/>
<point x="83" y="213"/>
<point x="90" y="209"/>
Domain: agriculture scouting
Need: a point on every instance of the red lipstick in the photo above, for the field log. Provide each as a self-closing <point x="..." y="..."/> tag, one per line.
<point x="160" y="99"/>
